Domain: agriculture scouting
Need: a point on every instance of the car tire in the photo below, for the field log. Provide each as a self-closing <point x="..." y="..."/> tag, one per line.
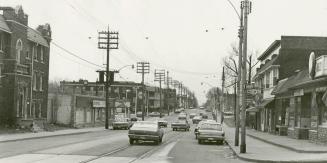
<point x="131" y="141"/>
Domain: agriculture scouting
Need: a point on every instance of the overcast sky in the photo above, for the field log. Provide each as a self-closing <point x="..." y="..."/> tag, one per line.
<point x="176" y="31"/>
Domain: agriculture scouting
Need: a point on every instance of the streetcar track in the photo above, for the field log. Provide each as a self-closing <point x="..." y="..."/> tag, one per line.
<point x="143" y="155"/>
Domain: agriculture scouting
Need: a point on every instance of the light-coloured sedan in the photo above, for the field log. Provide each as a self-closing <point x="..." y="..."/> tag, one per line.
<point x="211" y="132"/>
<point x="145" y="131"/>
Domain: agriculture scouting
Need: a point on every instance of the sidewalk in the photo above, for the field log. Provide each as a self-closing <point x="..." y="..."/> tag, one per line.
<point x="25" y="136"/>
<point x="301" y="146"/>
<point x="260" y="151"/>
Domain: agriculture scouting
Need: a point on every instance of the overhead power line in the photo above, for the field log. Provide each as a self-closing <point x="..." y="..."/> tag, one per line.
<point x="71" y="53"/>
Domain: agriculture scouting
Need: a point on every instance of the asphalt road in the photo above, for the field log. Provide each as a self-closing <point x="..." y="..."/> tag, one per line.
<point x="113" y="146"/>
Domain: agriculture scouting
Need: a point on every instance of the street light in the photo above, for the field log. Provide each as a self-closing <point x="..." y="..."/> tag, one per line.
<point x="132" y="65"/>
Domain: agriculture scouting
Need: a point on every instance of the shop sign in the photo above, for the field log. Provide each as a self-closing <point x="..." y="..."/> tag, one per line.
<point x="99" y="104"/>
<point x="299" y="92"/>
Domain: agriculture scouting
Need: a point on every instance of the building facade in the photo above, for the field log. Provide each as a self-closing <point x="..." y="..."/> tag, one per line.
<point x="24" y="68"/>
<point x="281" y="62"/>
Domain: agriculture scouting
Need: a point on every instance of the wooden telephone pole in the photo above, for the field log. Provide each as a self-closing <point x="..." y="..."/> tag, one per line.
<point x="143" y="68"/>
<point x="247" y="11"/>
<point x="107" y="40"/>
<point x="159" y="76"/>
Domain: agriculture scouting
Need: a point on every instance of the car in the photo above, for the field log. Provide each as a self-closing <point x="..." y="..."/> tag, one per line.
<point x="154" y="114"/>
<point x="192" y="115"/>
<point x="162" y="122"/>
<point x="180" y="124"/>
<point x="197" y="119"/>
<point x="211" y="132"/>
<point x="182" y="116"/>
<point x="177" y="111"/>
<point x="122" y="124"/>
<point x="145" y="131"/>
<point x="198" y="126"/>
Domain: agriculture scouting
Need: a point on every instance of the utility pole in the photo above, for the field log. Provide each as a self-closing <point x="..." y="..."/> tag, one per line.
<point x="107" y="40"/>
<point x="159" y="76"/>
<point x="218" y="102"/>
<point x="247" y="10"/>
<point x="240" y="48"/>
<point x="168" y="92"/>
<point x="222" y="97"/>
<point x="143" y="68"/>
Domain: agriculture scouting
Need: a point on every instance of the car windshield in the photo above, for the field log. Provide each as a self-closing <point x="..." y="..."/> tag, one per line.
<point x="181" y="122"/>
<point x="210" y="126"/>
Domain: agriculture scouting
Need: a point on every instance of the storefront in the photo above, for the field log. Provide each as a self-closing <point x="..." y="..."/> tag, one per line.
<point x="313" y="109"/>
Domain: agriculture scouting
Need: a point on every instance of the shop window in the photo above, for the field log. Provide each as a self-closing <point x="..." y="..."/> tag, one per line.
<point x="322" y="109"/>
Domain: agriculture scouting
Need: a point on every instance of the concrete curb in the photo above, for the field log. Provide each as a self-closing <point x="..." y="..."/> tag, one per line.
<point x="45" y="136"/>
<point x="271" y="161"/>
<point x="284" y="146"/>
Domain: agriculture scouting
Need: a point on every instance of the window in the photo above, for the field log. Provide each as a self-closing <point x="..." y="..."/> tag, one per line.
<point x="19" y="49"/>
<point x="267" y="79"/>
<point x="275" y="77"/>
<point x="34" y="53"/>
<point x="41" y="83"/>
<point x="34" y="81"/>
<point x="41" y="54"/>
<point x="27" y="55"/>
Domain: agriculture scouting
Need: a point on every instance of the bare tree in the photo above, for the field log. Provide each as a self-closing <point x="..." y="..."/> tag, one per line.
<point x="231" y="64"/>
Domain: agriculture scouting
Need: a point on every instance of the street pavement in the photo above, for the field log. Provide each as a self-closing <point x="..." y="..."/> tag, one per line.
<point x="112" y="146"/>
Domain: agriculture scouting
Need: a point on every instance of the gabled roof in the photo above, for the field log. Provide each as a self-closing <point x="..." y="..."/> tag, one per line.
<point x="3" y="25"/>
<point x="36" y="37"/>
<point x="271" y="48"/>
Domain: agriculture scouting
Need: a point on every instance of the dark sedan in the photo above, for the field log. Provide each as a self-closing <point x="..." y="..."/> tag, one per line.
<point x="180" y="124"/>
<point x="145" y="131"/>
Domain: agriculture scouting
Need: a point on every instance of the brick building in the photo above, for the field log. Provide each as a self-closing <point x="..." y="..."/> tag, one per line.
<point x="292" y="101"/>
<point x="24" y="68"/>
